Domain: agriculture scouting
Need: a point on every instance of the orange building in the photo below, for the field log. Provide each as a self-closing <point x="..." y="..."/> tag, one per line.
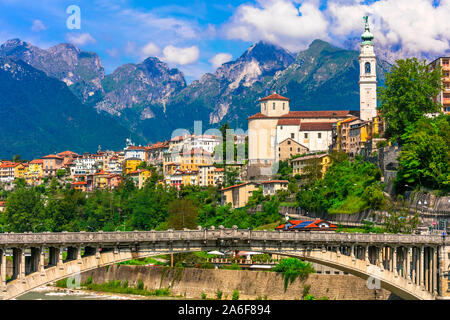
<point x="444" y="96"/>
<point x="52" y="163"/>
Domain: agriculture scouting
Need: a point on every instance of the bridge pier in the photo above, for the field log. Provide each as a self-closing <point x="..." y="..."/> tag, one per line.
<point x="3" y="270"/>
<point x="408" y="264"/>
<point x="421" y="267"/>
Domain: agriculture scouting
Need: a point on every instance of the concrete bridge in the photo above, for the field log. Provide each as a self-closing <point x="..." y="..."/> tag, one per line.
<point x="410" y="266"/>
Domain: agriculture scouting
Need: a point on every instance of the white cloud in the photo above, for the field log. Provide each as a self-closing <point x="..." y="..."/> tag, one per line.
<point x="411" y="27"/>
<point x="280" y="22"/>
<point x="80" y="39"/>
<point x="150" y="50"/>
<point x="220" y="59"/>
<point x="401" y="27"/>
<point x="180" y="56"/>
<point x="38" y="25"/>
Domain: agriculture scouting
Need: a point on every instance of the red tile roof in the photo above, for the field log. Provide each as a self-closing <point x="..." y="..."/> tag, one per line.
<point x="236" y="186"/>
<point x="79" y="183"/>
<point x="274" y="96"/>
<point x="259" y="115"/>
<point x="317" y="114"/>
<point x="52" y="156"/>
<point x="37" y="161"/>
<point x="275" y="181"/>
<point x="158" y="145"/>
<point x="316" y="126"/>
<point x="67" y="153"/>
<point x="9" y="165"/>
<point x="288" y="122"/>
<point x="135" y="148"/>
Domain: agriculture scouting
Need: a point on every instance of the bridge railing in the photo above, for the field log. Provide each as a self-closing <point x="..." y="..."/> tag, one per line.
<point x="235" y="234"/>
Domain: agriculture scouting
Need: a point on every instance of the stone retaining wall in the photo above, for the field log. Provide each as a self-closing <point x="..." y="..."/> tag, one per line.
<point x="190" y="282"/>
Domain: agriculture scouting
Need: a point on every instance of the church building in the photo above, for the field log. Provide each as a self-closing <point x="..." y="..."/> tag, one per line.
<point x="277" y="133"/>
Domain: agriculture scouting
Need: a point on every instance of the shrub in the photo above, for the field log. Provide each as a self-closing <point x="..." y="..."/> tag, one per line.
<point x="219" y="294"/>
<point x="140" y="285"/>
<point x="235" y="295"/>
<point x="291" y="268"/>
<point x="203" y="296"/>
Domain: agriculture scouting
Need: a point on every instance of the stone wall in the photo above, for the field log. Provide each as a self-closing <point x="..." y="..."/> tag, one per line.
<point x="190" y="282"/>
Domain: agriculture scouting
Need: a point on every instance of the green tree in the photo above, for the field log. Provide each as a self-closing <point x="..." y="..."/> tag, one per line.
<point x="408" y="94"/>
<point x="425" y="157"/>
<point x="399" y="219"/>
<point x="182" y="214"/>
<point x="24" y="211"/>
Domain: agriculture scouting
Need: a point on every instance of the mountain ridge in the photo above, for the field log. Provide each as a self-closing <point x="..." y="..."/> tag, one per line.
<point x="151" y="99"/>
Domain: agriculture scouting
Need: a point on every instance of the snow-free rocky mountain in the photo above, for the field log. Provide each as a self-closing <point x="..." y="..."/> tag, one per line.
<point x="150" y="99"/>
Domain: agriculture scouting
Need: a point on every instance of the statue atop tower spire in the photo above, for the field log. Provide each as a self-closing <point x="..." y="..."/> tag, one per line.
<point x="367" y="36"/>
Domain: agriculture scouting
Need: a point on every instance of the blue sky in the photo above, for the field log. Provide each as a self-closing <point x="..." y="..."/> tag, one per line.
<point x="197" y="36"/>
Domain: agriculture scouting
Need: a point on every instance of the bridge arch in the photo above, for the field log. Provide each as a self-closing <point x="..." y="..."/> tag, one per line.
<point x="383" y="257"/>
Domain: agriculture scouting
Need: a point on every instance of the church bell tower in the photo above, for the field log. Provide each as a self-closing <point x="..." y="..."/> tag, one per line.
<point x="367" y="76"/>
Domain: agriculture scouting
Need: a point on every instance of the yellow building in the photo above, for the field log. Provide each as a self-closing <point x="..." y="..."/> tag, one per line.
<point x="322" y="160"/>
<point x="100" y="180"/>
<point x="20" y="170"/>
<point x="79" y="185"/>
<point x="192" y="159"/>
<point x="131" y="164"/>
<point x="238" y="195"/>
<point x="35" y="171"/>
<point x="140" y="177"/>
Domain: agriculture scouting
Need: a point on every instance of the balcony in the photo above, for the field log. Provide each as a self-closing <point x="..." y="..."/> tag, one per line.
<point x="446" y="67"/>
<point x="446" y="101"/>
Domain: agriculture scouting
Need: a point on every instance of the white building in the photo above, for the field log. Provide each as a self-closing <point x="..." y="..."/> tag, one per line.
<point x="367" y="76"/>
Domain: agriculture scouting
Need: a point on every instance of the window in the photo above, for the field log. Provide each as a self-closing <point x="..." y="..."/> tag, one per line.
<point x="298" y="149"/>
<point x="281" y="127"/>
<point x="319" y="135"/>
<point x="292" y="135"/>
<point x="289" y="142"/>
<point x="306" y="136"/>
<point x="290" y="149"/>
<point x="274" y="106"/>
<point x="265" y="105"/>
<point x="283" y="105"/>
<point x="367" y="67"/>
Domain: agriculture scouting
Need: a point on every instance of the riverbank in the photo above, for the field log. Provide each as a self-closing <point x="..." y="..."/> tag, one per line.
<point x="192" y="283"/>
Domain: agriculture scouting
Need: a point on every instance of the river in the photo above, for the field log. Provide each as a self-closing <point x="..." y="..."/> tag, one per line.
<point x="54" y="293"/>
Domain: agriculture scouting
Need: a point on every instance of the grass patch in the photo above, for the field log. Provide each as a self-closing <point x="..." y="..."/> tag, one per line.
<point x="268" y="227"/>
<point x="115" y="286"/>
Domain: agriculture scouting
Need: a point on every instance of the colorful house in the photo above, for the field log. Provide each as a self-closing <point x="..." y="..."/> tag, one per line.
<point x="307" y="225"/>
<point x="35" y="172"/>
<point x="52" y="163"/>
<point x="139" y="177"/>
<point x="101" y="180"/>
<point x="238" y="195"/>
<point x="79" y="185"/>
<point x="321" y="160"/>
<point x="272" y="186"/>
<point x="131" y="164"/>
